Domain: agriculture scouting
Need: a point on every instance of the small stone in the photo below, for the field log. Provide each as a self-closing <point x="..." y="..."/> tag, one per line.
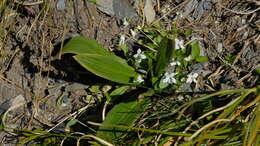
<point x="75" y="86"/>
<point x="123" y="10"/>
<point x="220" y="47"/>
<point x="106" y="6"/>
<point x="61" y="5"/>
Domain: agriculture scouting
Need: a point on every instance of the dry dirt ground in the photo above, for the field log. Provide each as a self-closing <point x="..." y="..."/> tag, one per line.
<point x="39" y="91"/>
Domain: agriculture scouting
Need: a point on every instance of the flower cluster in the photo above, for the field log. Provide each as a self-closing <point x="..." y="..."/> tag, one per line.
<point x="175" y="73"/>
<point x="170" y="77"/>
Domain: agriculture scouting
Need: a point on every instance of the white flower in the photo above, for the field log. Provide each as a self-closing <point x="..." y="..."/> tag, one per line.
<point x="139" y="27"/>
<point x="139" y="56"/>
<point x="179" y="44"/>
<point x="180" y="98"/>
<point x="187" y="58"/>
<point x="192" y="77"/>
<point x="133" y="33"/>
<point x="122" y="40"/>
<point x="125" y="22"/>
<point x="139" y="79"/>
<point x="169" y="78"/>
<point x="174" y="63"/>
<point x="183" y="79"/>
<point x="179" y="14"/>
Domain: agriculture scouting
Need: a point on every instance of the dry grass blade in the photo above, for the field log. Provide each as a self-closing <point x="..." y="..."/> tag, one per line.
<point x="239" y="12"/>
<point x="28" y="3"/>
<point x="96" y="138"/>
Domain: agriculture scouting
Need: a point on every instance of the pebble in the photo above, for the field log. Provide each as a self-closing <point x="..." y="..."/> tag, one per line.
<point x="61" y="5"/>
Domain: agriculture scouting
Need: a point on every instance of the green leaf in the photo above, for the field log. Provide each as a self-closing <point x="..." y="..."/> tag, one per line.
<point x="257" y="70"/>
<point x="195" y="49"/>
<point x="253" y="128"/>
<point x="227" y="112"/>
<point x="164" y="56"/>
<point x="117" y="93"/>
<point x="93" y="1"/>
<point x="122" y="114"/>
<point x="91" y="55"/>
<point x="202" y="59"/>
<point x="95" y="89"/>
<point x="125" y="48"/>
<point x="82" y="45"/>
<point x="188" y="32"/>
<point x="162" y="85"/>
<point x="71" y="123"/>
<point x="164" y="140"/>
<point x="107" y="67"/>
<point x="148" y="139"/>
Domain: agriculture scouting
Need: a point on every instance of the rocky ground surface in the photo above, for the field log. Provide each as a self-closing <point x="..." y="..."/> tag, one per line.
<point x="39" y="90"/>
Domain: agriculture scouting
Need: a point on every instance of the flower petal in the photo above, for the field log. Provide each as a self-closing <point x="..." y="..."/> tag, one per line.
<point x="166" y="74"/>
<point x="139" y="79"/>
<point x="195" y="75"/>
<point x="122" y="40"/>
<point x="173" y="80"/>
<point x="142" y="56"/>
<point x="187" y="58"/>
<point x="136" y="55"/>
<point x="189" y="80"/>
<point x="181" y="44"/>
<point x="166" y="80"/>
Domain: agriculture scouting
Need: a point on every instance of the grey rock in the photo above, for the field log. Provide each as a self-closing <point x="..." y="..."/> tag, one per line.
<point x="197" y="66"/>
<point x="186" y="87"/>
<point x="136" y="3"/>
<point x="4" y="107"/>
<point x="196" y="8"/>
<point x="61" y="5"/>
<point x="220" y="47"/>
<point x="211" y="35"/>
<point x="120" y="8"/>
<point x="250" y="55"/>
<point x="106" y="6"/>
<point x="123" y="9"/>
<point x="75" y="86"/>
<point x="190" y="7"/>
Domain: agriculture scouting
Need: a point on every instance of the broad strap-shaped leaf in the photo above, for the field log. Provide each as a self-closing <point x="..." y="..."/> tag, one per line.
<point x="164" y="55"/>
<point x="122" y="114"/>
<point x="91" y="55"/>
<point x="107" y="67"/>
<point x="81" y="45"/>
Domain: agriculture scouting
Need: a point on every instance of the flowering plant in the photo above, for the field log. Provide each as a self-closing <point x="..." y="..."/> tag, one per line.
<point x="163" y="58"/>
<point x="159" y="63"/>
